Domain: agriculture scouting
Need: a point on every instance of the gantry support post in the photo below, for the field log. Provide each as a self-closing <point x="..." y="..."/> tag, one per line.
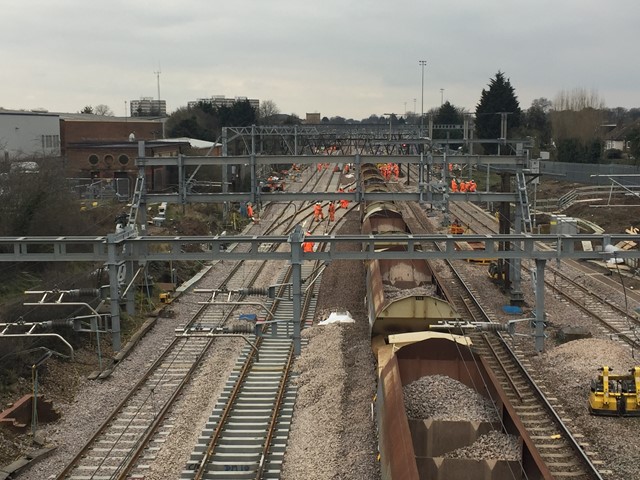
<point x="356" y="166"/>
<point x="539" y="314"/>
<point x="182" y="184"/>
<point x="114" y="294"/>
<point x="504" y="227"/>
<point x="295" y="239"/>
<point x="421" y="183"/>
<point x="130" y="297"/>
<point x="515" y="292"/>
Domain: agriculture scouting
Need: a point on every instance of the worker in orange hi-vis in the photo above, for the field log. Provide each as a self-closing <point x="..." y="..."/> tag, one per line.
<point x="344" y="203"/>
<point x="454" y="185"/>
<point x="307" y="246"/>
<point x="472" y="186"/>
<point x="396" y="170"/>
<point x="463" y="186"/>
<point x="332" y="212"/>
<point x="318" y="214"/>
<point x="249" y="210"/>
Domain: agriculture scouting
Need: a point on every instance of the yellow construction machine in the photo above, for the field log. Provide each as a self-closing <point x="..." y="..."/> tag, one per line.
<point x="617" y="395"/>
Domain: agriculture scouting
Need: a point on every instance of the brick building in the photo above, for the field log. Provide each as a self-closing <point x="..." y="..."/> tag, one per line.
<point x="106" y="147"/>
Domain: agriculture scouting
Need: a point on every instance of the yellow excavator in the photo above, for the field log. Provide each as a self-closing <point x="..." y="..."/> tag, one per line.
<point x="615" y="395"/>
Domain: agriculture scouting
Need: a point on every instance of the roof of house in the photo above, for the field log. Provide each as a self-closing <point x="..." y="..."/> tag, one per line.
<point x="621" y="132"/>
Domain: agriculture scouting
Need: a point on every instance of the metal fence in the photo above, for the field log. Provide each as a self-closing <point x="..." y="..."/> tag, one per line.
<point x="588" y="173"/>
<point x="101" y="188"/>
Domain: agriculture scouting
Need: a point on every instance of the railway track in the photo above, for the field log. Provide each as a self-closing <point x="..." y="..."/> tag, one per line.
<point x="596" y="300"/>
<point x="246" y="435"/>
<point x="249" y="439"/>
<point x="120" y="440"/>
<point x="562" y="452"/>
<point x="119" y="448"/>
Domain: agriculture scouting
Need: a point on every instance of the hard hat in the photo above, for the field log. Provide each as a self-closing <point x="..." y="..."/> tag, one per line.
<point x="317" y="203"/>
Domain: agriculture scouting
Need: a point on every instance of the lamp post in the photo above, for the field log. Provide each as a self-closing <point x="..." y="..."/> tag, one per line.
<point x="422" y="64"/>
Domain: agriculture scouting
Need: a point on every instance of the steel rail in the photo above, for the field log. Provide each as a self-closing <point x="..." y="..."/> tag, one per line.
<point x="591" y="470"/>
<point x="171" y="348"/>
<point x="203" y="465"/>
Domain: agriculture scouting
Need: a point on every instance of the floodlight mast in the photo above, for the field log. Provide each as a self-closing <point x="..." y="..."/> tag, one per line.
<point x="422" y="64"/>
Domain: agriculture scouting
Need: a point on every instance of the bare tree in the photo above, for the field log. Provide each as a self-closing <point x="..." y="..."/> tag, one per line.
<point x="103" y="110"/>
<point x="267" y="110"/>
<point x="578" y="99"/>
<point x="577" y="114"/>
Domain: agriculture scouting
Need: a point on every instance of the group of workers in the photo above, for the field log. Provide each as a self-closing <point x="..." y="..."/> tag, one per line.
<point x="463" y="186"/>
<point x="389" y="170"/>
<point x="318" y="213"/>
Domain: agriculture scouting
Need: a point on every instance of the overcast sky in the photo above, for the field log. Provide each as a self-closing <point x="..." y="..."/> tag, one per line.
<point x="336" y="57"/>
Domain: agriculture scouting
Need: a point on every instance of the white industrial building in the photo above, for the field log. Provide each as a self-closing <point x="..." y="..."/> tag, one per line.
<point x="29" y="134"/>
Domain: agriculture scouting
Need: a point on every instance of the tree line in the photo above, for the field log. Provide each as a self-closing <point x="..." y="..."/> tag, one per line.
<point x="572" y="127"/>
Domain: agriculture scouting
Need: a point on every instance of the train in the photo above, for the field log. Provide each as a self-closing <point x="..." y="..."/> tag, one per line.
<point x="405" y="298"/>
<point x="403" y="295"/>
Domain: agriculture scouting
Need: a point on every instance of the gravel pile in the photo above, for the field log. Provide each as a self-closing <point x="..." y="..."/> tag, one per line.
<point x="490" y="446"/>
<point x="394" y="292"/>
<point x="443" y="398"/>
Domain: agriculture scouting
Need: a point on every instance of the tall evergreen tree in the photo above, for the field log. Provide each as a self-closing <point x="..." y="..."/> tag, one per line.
<point x="448" y="114"/>
<point x="499" y="98"/>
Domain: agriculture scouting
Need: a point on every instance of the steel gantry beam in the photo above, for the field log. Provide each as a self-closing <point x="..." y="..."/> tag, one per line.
<point x="116" y="250"/>
<point x="431" y="192"/>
